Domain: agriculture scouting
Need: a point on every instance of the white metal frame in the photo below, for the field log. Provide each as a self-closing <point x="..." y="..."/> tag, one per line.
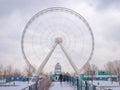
<point x="58" y="41"/>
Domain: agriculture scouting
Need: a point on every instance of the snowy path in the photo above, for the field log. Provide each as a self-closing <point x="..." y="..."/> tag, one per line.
<point x="19" y="86"/>
<point x="58" y="86"/>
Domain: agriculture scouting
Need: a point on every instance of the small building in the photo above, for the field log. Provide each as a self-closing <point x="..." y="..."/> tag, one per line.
<point x="57" y="69"/>
<point x="57" y="72"/>
<point x="101" y="75"/>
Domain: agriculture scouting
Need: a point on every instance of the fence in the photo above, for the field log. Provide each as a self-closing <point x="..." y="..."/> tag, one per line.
<point x="83" y="85"/>
<point x="42" y="84"/>
<point x="31" y="87"/>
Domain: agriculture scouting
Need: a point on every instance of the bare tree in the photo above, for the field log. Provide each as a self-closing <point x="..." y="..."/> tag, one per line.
<point x="113" y="67"/>
<point x="17" y="72"/>
<point x="90" y="69"/>
<point x="29" y="70"/>
<point x="87" y="69"/>
<point x="1" y="71"/>
<point x="109" y="67"/>
<point x="93" y="71"/>
<point x="9" y="70"/>
<point x="4" y="73"/>
<point x="116" y="68"/>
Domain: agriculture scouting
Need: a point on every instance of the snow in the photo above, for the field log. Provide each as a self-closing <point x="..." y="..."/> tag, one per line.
<point x="2" y="81"/>
<point x="99" y="76"/>
<point x="116" y="88"/>
<point x="18" y="86"/>
<point x="63" y="86"/>
<point x="105" y="83"/>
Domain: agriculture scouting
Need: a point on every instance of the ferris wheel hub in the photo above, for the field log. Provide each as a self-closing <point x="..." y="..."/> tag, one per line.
<point x="58" y="40"/>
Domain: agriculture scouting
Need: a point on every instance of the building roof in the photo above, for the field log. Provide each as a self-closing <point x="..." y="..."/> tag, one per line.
<point x="58" y="65"/>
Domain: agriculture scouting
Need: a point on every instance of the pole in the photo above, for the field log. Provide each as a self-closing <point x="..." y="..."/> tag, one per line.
<point x="86" y="86"/>
<point x="44" y="62"/>
<point x="70" y="60"/>
<point x="78" y="83"/>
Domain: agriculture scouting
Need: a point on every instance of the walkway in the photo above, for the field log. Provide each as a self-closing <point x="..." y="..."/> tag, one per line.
<point x="58" y="86"/>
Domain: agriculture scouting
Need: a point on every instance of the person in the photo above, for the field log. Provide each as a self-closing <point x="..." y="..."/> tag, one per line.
<point x="14" y="83"/>
<point x="98" y="83"/>
<point x="60" y="78"/>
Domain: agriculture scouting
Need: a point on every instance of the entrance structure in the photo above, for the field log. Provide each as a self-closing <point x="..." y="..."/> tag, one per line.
<point x="60" y="24"/>
<point x="58" y="69"/>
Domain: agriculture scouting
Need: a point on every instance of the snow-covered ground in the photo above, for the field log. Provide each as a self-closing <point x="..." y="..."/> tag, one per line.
<point x="115" y="88"/>
<point x="107" y="85"/>
<point x="57" y="86"/>
<point x="63" y="86"/>
<point x="18" y="86"/>
<point x="2" y="81"/>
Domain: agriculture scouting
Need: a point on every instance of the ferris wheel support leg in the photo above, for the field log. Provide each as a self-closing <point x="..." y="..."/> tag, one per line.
<point x="70" y="60"/>
<point x="45" y="61"/>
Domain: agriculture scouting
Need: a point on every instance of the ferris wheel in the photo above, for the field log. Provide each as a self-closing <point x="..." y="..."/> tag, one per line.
<point x="62" y="28"/>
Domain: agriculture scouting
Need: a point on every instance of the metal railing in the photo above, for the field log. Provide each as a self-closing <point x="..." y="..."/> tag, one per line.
<point x="31" y="87"/>
<point x="81" y="85"/>
<point x="42" y="84"/>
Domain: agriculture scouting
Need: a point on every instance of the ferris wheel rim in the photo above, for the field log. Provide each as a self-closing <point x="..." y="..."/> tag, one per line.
<point x="63" y="9"/>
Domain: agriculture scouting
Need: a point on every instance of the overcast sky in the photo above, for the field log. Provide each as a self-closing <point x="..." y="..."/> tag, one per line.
<point x="102" y="15"/>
